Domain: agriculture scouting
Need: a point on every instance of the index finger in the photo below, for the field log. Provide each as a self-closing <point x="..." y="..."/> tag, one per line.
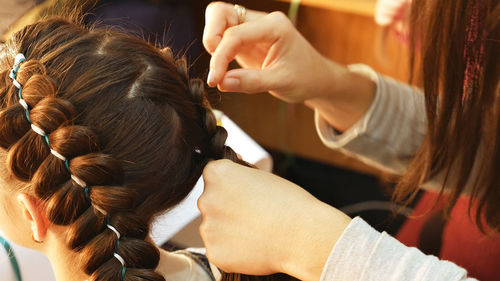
<point x="219" y="16"/>
<point x="267" y="30"/>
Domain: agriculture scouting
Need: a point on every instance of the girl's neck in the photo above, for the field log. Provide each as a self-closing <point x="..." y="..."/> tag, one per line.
<point x="65" y="264"/>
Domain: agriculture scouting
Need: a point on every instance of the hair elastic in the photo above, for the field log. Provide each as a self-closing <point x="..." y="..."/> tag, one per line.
<point x="20" y="58"/>
<point x="120" y="259"/>
<point x="23" y="104"/>
<point x="38" y="130"/>
<point x="57" y="154"/>
<point x="15" y="68"/>
<point x="78" y="181"/>
<point x="114" y="230"/>
<point x="115" y="254"/>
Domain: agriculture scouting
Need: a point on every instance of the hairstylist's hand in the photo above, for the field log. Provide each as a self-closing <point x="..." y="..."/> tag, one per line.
<point x="257" y="223"/>
<point x="274" y="55"/>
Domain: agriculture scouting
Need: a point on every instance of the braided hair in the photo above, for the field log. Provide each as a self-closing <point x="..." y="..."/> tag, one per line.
<point x="109" y="132"/>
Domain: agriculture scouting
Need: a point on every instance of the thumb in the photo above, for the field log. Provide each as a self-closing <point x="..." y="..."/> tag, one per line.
<point x="248" y="81"/>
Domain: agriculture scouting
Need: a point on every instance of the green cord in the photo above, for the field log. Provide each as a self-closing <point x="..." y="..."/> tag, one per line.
<point x="293" y="10"/>
<point x="12" y="258"/>
<point x="124" y="269"/>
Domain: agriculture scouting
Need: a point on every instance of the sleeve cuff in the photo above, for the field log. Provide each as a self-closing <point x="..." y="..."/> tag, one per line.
<point x="389" y="133"/>
<point x="332" y="138"/>
<point x="351" y="252"/>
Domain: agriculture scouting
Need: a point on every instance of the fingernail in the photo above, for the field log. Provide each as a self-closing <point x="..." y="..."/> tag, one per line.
<point x="210" y="78"/>
<point x="231" y="84"/>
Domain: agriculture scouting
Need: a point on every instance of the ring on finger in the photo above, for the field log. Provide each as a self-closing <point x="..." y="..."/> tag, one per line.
<point x="241" y="12"/>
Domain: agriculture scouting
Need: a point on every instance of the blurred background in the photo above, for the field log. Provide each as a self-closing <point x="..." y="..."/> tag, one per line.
<point x="342" y="30"/>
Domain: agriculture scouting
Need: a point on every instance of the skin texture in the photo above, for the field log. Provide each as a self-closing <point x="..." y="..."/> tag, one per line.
<point x="291" y="231"/>
<point x="285" y="229"/>
<point x="275" y="57"/>
<point x="23" y="220"/>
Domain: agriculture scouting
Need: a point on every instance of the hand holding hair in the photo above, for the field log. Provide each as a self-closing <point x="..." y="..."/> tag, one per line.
<point x="257" y="223"/>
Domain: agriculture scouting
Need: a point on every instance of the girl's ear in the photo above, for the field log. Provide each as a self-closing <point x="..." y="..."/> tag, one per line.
<point x="34" y="213"/>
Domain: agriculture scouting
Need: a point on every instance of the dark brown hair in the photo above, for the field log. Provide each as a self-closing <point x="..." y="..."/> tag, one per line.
<point x="462" y="146"/>
<point x="134" y="127"/>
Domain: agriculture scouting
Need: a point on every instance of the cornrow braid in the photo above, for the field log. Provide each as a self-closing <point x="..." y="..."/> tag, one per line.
<point x="63" y="112"/>
<point x="120" y="116"/>
<point x="68" y="159"/>
<point x="13" y="75"/>
<point x="217" y="135"/>
<point x="216" y="148"/>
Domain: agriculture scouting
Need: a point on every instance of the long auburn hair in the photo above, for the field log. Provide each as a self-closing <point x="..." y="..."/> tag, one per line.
<point x="462" y="146"/>
<point x="136" y="129"/>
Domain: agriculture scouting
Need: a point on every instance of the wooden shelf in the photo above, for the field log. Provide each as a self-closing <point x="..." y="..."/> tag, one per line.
<point x="359" y="7"/>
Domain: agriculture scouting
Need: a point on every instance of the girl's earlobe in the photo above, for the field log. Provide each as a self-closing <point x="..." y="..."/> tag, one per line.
<point x="34" y="214"/>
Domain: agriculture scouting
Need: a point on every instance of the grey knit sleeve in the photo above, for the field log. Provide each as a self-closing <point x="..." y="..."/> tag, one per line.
<point x="390" y="133"/>
<point x="364" y="254"/>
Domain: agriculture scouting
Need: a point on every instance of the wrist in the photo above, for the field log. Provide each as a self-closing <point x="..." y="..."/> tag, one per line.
<point x="349" y="97"/>
<point x="316" y="233"/>
<point x="328" y="81"/>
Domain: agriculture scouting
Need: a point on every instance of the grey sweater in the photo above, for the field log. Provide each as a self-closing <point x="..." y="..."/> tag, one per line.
<point x="386" y="137"/>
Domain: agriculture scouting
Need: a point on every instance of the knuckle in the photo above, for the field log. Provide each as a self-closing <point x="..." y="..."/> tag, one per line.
<point x="201" y="204"/>
<point x="207" y="234"/>
<point x="203" y="232"/>
<point x="215" y="5"/>
<point x="205" y="205"/>
<point x="231" y="32"/>
<point x="210" y="171"/>
<point x="214" y="61"/>
<point x="209" y="43"/>
<point x="216" y="169"/>
<point x="279" y="17"/>
<point x="280" y="21"/>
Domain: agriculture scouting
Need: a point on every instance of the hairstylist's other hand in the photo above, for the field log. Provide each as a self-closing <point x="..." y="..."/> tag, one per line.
<point x="257" y="223"/>
<point x="274" y="55"/>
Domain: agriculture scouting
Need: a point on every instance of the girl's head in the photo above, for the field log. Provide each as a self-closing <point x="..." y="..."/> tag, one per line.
<point x="114" y="133"/>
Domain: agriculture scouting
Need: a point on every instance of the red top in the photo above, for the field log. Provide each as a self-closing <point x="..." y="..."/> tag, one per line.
<point x="462" y="241"/>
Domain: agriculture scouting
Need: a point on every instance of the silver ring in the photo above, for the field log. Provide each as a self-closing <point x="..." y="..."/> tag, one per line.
<point x="241" y="12"/>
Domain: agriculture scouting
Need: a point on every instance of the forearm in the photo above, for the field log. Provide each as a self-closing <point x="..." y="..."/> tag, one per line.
<point x="313" y="234"/>
<point x="346" y="96"/>
<point x="391" y="130"/>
